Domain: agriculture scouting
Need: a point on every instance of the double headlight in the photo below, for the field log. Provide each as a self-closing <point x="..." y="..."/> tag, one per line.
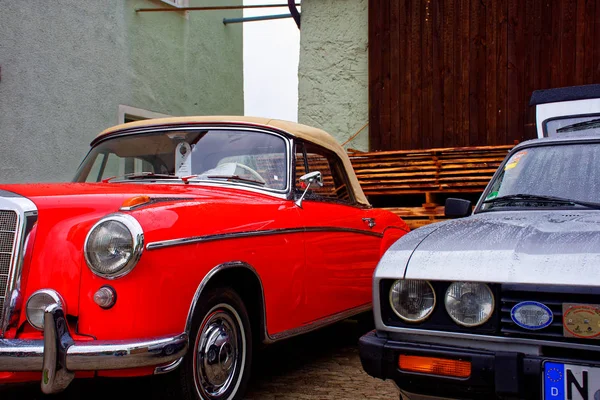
<point x="467" y="303"/>
<point x="114" y="245"/>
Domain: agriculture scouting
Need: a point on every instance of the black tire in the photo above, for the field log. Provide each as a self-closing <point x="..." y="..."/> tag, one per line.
<point x="221" y="330"/>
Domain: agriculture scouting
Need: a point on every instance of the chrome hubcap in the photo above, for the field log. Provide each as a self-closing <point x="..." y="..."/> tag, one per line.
<point x="218" y="352"/>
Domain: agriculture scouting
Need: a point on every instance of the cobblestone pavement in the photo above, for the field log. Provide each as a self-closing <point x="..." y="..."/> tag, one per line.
<point x="320" y="365"/>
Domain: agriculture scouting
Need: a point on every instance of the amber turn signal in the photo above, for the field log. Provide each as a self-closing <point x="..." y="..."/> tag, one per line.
<point x="435" y="366"/>
<point x="134" y="202"/>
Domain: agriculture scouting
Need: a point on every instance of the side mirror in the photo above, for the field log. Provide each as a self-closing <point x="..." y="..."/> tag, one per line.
<point x="457" y="208"/>
<point x="314" y="177"/>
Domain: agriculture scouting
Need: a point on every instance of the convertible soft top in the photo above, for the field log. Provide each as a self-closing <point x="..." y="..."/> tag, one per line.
<point x="305" y="132"/>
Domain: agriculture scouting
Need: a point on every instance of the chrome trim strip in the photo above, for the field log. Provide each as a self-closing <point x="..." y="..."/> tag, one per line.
<point x="268" y="232"/>
<point x="165" y="369"/>
<point x="120" y="354"/>
<point x="320" y="323"/>
<point x="137" y="234"/>
<point x="28" y="355"/>
<point x="25" y="209"/>
<point x="56" y="376"/>
<point x="494" y="339"/>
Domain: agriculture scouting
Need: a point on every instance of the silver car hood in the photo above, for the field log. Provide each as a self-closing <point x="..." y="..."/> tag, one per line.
<point x="536" y="247"/>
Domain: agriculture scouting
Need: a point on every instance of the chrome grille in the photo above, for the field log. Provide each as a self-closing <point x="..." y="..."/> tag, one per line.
<point x="554" y="301"/>
<point x="8" y="220"/>
<point x="8" y="235"/>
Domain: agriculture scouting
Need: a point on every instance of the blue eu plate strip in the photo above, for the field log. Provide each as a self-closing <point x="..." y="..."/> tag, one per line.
<point x="554" y="381"/>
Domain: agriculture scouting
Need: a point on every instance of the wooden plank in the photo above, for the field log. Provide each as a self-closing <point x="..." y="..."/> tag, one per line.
<point x="596" y="47"/>
<point x="438" y="150"/>
<point x="477" y="71"/>
<point x="386" y="94"/>
<point x="437" y="110"/>
<point x="547" y="50"/>
<point x="448" y="72"/>
<point x="522" y="49"/>
<point x="555" y="45"/>
<point x="406" y="76"/>
<point x="426" y="112"/>
<point x="462" y="72"/>
<point x="567" y="44"/>
<point x="533" y="36"/>
<point x="491" y="75"/>
<point x="502" y="74"/>
<point x="514" y="73"/>
<point x="580" y="22"/>
<point x="589" y="41"/>
<point x="396" y="64"/>
<point x="375" y="68"/>
<point x="415" y="67"/>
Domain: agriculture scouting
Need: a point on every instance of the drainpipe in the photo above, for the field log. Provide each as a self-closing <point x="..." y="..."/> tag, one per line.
<point x="294" y="12"/>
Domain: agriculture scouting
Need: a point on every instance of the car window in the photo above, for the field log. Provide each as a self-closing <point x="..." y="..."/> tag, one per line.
<point x="310" y="158"/>
<point x="220" y="155"/>
<point x="567" y="171"/>
<point x="109" y="165"/>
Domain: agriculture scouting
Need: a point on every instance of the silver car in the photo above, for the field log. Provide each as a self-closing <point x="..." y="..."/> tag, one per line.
<point x="504" y="303"/>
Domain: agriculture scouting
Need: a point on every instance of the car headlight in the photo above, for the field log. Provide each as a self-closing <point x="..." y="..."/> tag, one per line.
<point x="412" y="300"/>
<point x="37" y="304"/>
<point x="114" y="245"/>
<point x="469" y="303"/>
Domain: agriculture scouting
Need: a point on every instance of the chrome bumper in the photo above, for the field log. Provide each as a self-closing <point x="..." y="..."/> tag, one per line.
<point x="57" y="356"/>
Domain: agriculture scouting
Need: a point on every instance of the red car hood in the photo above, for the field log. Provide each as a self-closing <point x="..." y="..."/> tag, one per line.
<point x="66" y="211"/>
<point x="112" y="195"/>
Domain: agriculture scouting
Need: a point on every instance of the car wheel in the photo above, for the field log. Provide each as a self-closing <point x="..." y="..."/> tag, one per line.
<point x="217" y="366"/>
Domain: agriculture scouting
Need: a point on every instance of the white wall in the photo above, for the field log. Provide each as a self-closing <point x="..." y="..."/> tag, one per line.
<point x="271" y="51"/>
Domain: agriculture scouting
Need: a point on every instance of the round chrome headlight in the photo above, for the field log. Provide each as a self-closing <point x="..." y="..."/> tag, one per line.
<point x="37" y="304"/>
<point x="469" y="303"/>
<point x="412" y="300"/>
<point x="114" y="245"/>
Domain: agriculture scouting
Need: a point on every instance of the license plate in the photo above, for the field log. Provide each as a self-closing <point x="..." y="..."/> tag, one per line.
<point x="571" y="382"/>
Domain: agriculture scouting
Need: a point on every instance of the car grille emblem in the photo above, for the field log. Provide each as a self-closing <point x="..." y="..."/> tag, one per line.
<point x="531" y="315"/>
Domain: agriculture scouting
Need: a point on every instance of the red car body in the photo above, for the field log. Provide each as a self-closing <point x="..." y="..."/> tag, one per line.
<point x="296" y="267"/>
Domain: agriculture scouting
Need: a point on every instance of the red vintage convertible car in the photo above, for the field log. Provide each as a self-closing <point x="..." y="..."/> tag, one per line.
<point x="181" y="244"/>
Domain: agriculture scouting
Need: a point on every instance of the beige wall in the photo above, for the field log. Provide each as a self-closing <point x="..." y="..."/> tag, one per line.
<point x="333" y="72"/>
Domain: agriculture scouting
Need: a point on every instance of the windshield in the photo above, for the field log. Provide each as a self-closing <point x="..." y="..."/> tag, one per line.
<point x="547" y="176"/>
<point x="573" y="126"/>
<point x="239" y="156"/>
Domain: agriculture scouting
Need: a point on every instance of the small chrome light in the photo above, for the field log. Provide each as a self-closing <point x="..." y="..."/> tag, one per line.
<point x="37" y="304"/>
<point x="469" y="303"/>
<point x="412" y="300"/>
<point x="105" y="297"/>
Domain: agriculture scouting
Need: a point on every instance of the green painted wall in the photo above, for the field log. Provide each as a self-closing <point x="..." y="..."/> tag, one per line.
<point x="333" y="88"/>
<point x="66" y="66"/>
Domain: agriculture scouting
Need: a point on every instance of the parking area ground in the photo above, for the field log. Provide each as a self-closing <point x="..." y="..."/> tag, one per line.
<point x="319" y="365"/>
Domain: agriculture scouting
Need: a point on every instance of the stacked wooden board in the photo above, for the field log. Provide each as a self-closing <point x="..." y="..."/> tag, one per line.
<point x="415" y="183"/>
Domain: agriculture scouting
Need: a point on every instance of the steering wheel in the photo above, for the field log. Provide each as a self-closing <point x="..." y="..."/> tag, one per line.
<point x="252" y="172"/>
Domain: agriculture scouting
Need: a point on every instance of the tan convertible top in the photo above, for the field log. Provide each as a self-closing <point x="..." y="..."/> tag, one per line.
<point x="304" y="132"/>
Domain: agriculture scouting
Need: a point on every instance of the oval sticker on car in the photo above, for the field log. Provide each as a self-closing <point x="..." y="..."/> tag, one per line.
<point x="531" y="315"/>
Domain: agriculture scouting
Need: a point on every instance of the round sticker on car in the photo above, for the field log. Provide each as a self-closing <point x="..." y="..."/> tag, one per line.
<point x="531" y="315"/>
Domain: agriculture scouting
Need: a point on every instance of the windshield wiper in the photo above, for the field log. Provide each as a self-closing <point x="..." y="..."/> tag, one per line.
<point x="141" y="175"/>
<point x="543" y="199"/>
<point x="580" y="126"/>
<point x="232" y="177"/>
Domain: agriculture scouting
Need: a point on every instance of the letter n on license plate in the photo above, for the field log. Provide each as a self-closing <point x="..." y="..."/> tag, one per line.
<point x="571" y="382"/>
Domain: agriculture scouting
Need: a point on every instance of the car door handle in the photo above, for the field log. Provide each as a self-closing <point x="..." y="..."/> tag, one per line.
<point x="369" y="221"/>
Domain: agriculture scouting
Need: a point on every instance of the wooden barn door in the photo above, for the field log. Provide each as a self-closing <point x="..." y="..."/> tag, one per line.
<point x="446" y="73"/>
